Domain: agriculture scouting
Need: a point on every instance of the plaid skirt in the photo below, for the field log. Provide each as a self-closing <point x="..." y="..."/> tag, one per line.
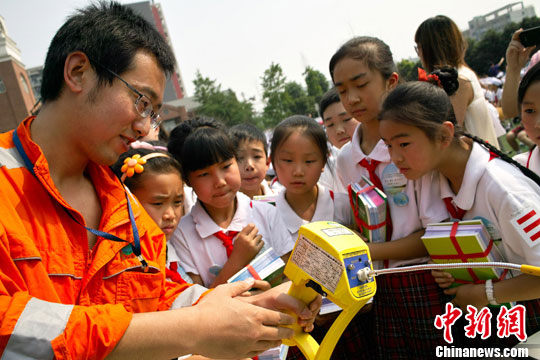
<point x="405" y="308"/>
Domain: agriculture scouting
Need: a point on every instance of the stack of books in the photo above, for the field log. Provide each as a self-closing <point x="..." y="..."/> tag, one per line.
<point x="277" y="353"/>
<point x="328" y="307"/>
<point x="368" y="205"/>
<point x="267" y="266"/>
<point x="462" y="242"/>
<point x="270" y="199"/>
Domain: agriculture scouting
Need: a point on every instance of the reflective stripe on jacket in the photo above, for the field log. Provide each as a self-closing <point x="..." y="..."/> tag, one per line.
<point x="57" y="298"/>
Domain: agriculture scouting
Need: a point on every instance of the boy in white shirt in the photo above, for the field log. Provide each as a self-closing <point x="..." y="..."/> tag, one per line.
<point x="253" y="161"/>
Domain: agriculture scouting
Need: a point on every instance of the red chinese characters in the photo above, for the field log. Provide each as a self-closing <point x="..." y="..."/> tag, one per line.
<point x="446" y="321"/>
<point x="509" y="322"/>
<point x="512" y="322"/>
<point x="479" y="322"/>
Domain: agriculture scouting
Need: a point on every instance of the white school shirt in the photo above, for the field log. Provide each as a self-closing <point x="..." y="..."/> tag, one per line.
<point x="329" y="177"/>
<point x="173" y="257"/>
<point x="530" y="159"/>
<point x="266" y="188"/>
<point x="407" y="217"/>
<point x="201" y="253"/>
<point x="338" y="210"/>
<point x="500" y="195"/>
<point x="190" y="198"/>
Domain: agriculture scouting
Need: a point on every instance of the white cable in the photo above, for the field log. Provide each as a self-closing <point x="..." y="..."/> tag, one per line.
<point x="502" y="265"/>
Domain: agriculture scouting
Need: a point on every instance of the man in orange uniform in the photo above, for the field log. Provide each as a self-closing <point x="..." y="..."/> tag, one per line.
<point x="82" y="266"/>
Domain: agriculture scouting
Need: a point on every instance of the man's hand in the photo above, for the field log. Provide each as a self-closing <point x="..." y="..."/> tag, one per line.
<point x="239" y="329"/>
<point x="277" y="299"/>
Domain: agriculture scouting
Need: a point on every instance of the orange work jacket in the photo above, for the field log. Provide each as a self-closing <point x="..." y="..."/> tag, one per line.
<point x="58" y="298"/>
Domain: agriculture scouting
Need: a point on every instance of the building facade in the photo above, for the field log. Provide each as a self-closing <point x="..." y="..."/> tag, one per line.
<point x="16" y="95"/>
<point x="152" y="13"/>
<point x="498" y="19"/>
<point x="35" y="75"/>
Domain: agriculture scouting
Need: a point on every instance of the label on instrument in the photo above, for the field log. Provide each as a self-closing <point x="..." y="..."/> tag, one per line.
<point x="317" y="263"/>
<point x="337" y="231"/>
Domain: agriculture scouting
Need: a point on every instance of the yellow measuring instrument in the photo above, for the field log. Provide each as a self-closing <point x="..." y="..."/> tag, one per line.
<point x="328" y="259"/>
<point x="331" y="260"/>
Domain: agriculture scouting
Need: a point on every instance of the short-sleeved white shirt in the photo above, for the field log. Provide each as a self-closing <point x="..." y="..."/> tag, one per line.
<point x="402" y="194"/>
<point x="530" y="159"/>
<point x="329" y="177"/>
<point x="499" y="194"/>
<point x="337" y="209"/>
<point x="190" y="198"/>
<point x="200" y="251"/>
<point x="266" y="188"/>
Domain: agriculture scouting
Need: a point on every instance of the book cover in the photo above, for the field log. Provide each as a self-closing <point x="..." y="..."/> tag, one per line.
<point x="267" y="266"/>
<point x="270" y="199"/>
<point x="471" y="243"/>
<point x="368" y="205"/>
<point x="277" y="353"/>
<point x="328" y="306"/>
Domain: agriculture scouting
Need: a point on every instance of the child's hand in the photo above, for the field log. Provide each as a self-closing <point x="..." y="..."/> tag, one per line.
<point x="443" y="278"/>
<point x="247" y="244"/>
<point x="469" y="294"/>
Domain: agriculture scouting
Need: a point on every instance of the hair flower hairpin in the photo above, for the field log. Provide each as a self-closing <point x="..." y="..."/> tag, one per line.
<point x="133" y="165"/>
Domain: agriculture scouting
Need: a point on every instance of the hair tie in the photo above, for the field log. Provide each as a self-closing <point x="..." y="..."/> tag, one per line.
<point x="144" y="145"/>
<point x="422" y="76"/>
<point x="135" y="164"/>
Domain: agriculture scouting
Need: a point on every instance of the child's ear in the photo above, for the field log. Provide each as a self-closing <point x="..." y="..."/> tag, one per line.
<point x="447" y="133"/>
<point x="392" y="81"/>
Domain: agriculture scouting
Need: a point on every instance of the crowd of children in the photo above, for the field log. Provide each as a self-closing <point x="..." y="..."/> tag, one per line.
<point x="427" y="144"/>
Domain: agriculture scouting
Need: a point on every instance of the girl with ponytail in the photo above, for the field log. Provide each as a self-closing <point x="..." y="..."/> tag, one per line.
<point x="440" y="43"/>
<point x="476" y="181"/>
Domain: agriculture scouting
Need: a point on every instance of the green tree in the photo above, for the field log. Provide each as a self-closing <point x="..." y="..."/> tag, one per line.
<point x="407" y="69"/>
<point x="222" y="105"/>
<point x="492" y="46"/>
<point x="274" y="96"/>
<point x="317" y="84"/>
<point x="297" y="101"/>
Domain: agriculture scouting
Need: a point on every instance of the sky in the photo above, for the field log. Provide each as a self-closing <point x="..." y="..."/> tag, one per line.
<point x="234" y="41"/>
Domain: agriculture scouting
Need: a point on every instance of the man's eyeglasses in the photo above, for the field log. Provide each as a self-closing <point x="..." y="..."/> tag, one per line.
<point x="142" y="104"/>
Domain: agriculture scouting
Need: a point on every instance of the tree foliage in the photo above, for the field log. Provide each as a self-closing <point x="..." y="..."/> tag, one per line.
<point x="284" y="98"/>
<point x="492" y="46"/>
<point x="274" y="97"/>
<point x="407" y="69"/>
<point x="222" y="105"/>
<point x="281" y="98"/>
<point x="316" y="84"/>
